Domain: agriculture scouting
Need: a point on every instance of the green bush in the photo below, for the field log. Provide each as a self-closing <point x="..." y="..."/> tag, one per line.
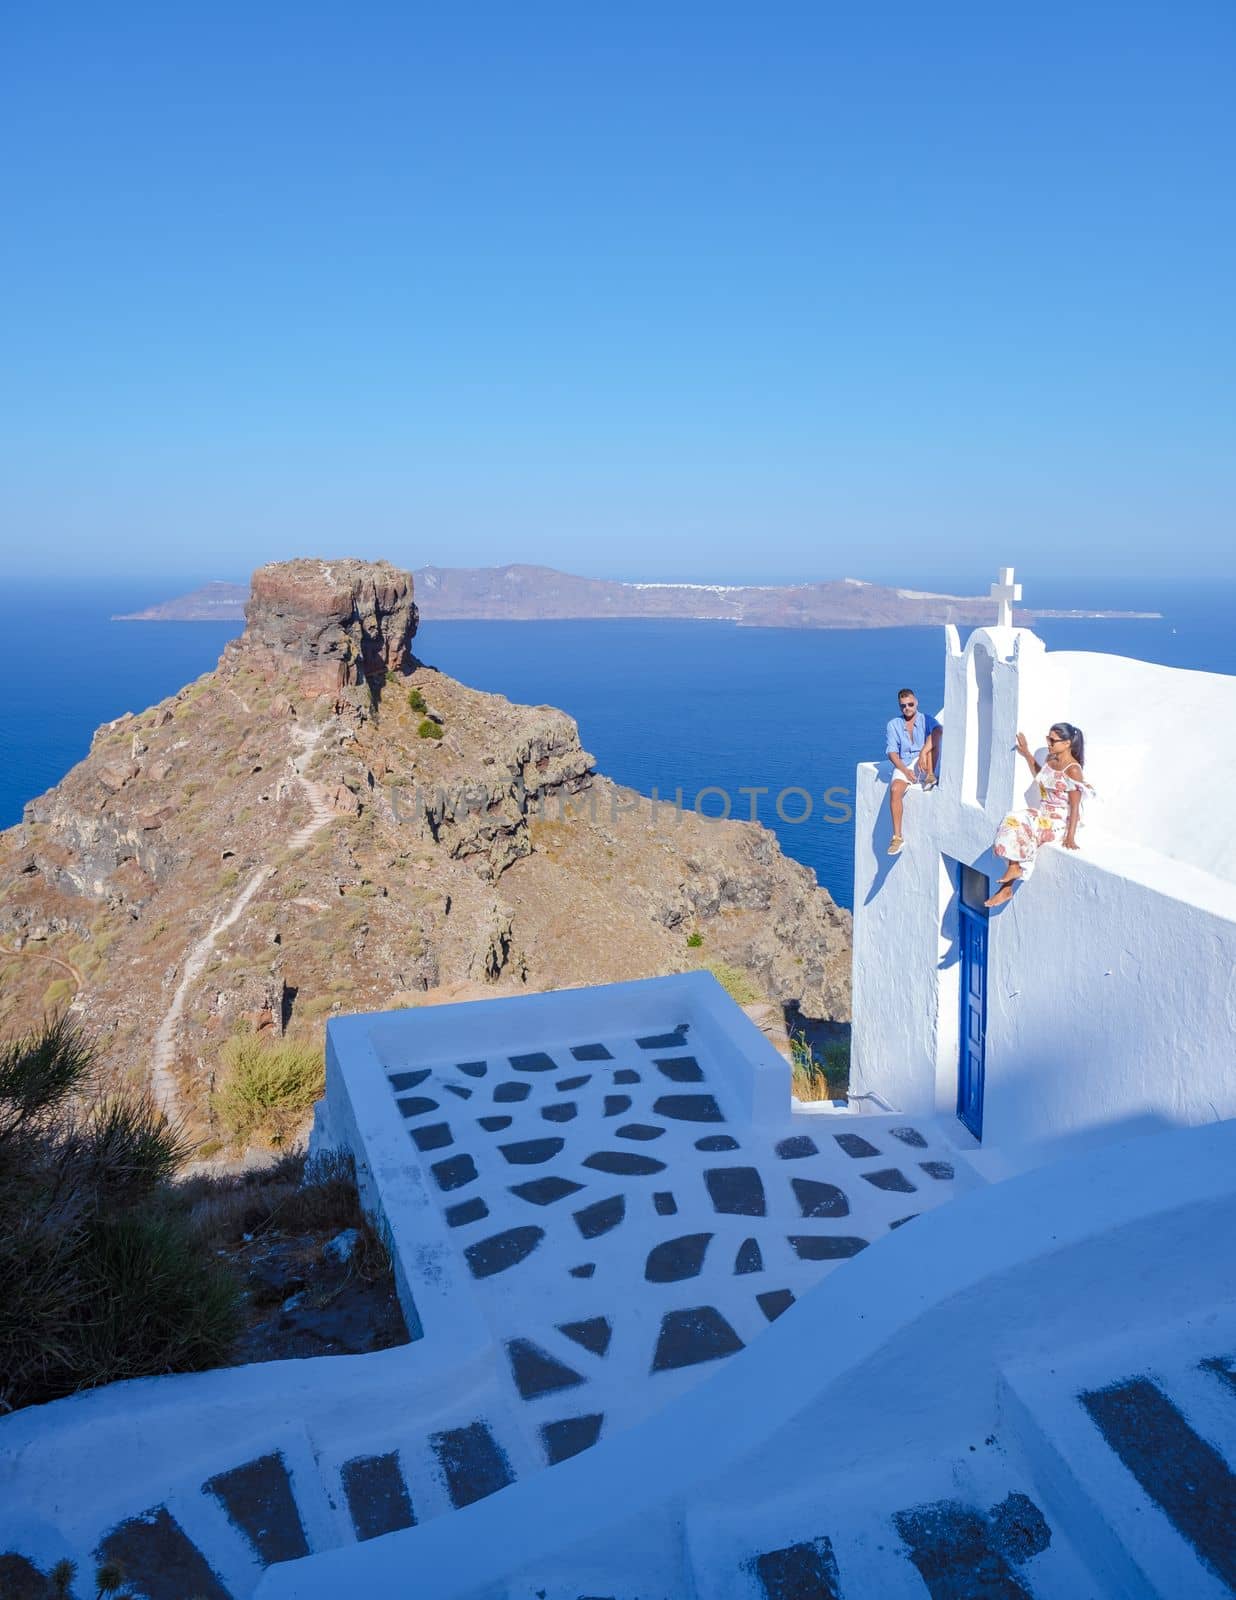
<point x="823" y="1076"/>
<point x="837" y="1063"/>
<point x="694" y="940"/>
<point x="108" y="1577"/>
<point x="430" y="730"/>
<point x="151" y="1292"/>
<point x="61" y="1579"/>
<point x="38" y="1074"/>
<point x="101" y="1276"/>
<point x="416" y="701"/>
<point x="267" y="1090"/>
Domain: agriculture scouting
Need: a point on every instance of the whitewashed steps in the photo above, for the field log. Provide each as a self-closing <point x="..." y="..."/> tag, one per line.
<point x="844" y="1542"/>
<point x="965" y="1528"/>
<point x="1134" y="1447"/>
<point x="964" y="1422"/>
<point x="213" y="1540"/>
<point x="962" y="1528"/>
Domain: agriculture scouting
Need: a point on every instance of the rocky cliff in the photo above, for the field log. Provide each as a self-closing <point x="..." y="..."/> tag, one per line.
<point x="338" y="622"/>
<point x="325" y="823"/>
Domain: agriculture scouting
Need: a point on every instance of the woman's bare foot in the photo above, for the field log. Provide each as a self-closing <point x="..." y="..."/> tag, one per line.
<point x="1002" y="895"/>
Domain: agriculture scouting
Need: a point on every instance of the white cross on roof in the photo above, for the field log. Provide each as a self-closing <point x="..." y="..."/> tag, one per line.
<point x="1004" y="592"/>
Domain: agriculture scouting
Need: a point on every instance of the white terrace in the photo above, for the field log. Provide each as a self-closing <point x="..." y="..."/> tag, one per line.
<point x="671" y="1340"/>
<point x="592" y="1198"/>
<point x="595" y="1194"/>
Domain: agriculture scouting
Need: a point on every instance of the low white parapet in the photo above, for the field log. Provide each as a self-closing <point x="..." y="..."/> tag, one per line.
<point x="890" y="1375"/>
<point x="366" y="1053"/>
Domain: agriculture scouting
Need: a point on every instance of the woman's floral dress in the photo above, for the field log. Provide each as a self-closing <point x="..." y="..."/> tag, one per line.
<point x="1022" y="834"/>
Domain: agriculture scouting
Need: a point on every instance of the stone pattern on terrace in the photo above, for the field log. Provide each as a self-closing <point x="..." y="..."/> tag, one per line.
<point x="619" y="1216"/>
<point x="1025" y="1396"/>
<point x="652" y="1204"/>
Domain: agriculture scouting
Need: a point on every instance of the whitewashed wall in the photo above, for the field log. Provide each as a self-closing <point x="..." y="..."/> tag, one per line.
<point x="1112" y="976"/>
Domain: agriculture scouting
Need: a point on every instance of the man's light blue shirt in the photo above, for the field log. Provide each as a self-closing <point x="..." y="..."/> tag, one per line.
<point x="907" y="741"/>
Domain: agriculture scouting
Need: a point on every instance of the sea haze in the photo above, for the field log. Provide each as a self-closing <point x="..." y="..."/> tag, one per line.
<point x="664" y="705"/>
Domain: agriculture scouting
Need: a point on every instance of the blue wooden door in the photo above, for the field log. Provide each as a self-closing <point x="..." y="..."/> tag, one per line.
<point x="971" y="1062"/>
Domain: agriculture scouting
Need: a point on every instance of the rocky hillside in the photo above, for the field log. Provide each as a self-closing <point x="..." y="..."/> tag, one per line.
<point x="324" y="823"/>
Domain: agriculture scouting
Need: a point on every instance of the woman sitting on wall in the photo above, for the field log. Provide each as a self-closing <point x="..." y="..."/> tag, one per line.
<point x="1054" y="820"/>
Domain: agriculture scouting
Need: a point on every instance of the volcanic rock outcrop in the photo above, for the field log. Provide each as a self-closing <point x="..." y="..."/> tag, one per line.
<point x="326" y="824"/>
<point x="341" y="621"/>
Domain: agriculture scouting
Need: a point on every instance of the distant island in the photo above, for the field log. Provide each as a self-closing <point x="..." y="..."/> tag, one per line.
<point x="214" y="602"/>
<point x="520" y="593"/>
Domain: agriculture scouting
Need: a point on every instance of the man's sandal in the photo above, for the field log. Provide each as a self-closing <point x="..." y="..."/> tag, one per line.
<point x="895" y="845"/>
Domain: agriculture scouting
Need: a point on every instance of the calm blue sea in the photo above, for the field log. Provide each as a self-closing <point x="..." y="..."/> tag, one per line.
<point x="664" y="705"/>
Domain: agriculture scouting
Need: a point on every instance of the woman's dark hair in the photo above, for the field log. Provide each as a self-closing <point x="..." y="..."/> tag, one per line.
<point x="1077" y="743"/>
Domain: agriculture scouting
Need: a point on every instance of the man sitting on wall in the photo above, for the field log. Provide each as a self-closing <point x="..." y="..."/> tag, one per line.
<point x="914" y="749"/>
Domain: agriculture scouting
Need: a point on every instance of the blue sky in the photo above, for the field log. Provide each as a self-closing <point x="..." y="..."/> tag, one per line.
<point x="706" y="290"/>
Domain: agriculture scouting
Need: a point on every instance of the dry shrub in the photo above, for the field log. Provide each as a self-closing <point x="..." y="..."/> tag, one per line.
<point x="58" y="993"/>
<point x="267" y="1090"/>
<point x="295" y="1196"/>
<point x="736" y="983"/>
<point x="293" y="1192"/>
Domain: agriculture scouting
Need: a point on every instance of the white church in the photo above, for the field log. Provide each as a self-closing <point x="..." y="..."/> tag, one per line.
<point x="970" y="1335"/>
<point x="1104" y="994"/>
